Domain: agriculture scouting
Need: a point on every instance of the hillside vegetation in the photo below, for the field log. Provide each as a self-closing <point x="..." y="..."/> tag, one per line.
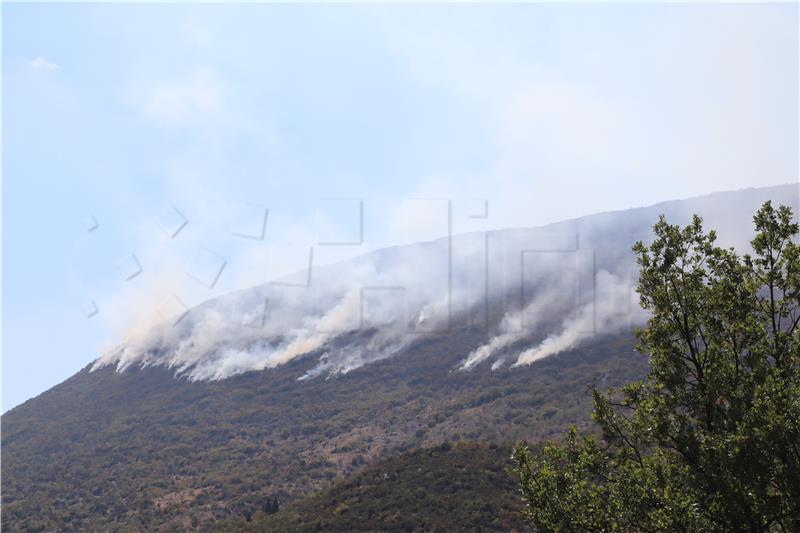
<point x="708" y="441"/>
<point x="143" y="450"/>
<point x="460" y="487"/>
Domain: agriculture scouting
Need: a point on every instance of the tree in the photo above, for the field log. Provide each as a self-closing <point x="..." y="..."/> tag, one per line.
<point x="710" y="439"/>
<point x="271" y="505"/>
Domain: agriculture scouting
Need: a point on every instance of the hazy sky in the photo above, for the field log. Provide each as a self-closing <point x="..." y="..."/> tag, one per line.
<point x="121" y="114"/>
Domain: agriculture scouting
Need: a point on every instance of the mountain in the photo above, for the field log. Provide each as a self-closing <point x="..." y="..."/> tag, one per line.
<point x="289" y="389"/>
<point x="143" y="450"/>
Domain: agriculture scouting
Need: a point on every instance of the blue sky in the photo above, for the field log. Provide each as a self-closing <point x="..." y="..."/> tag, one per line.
<point x="546" y="112"/>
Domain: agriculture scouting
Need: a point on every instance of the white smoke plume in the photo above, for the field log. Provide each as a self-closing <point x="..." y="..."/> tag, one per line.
<point x="615" y="308"/>
<point x="540" y="291"/>
<point x="609" y="308"/>
<point x="272" y="324"/>
<point x="512" y="328"/>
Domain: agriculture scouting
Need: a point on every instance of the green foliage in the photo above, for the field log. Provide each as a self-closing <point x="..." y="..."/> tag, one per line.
<point x="143" y="451"/>
<point x="463" y="487"/>
<point x="710" y="440"/>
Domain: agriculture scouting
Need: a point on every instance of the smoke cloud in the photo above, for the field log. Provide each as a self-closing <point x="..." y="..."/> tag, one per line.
<point x="532" y="292"/>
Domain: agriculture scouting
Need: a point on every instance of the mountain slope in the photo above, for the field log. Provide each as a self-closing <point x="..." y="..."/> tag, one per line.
<point x="142" y="449"/>
<point x="463" y="487"/>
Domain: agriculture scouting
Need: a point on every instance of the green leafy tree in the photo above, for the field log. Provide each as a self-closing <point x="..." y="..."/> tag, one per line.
<point x="710" y="440"/>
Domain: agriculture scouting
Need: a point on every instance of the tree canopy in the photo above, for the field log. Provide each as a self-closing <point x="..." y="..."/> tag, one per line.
<point x="710" y="439"/>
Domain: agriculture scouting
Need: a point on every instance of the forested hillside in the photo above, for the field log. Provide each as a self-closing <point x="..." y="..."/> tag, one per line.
<point x="460" y="487"/>
<point x="142" y="450"/>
